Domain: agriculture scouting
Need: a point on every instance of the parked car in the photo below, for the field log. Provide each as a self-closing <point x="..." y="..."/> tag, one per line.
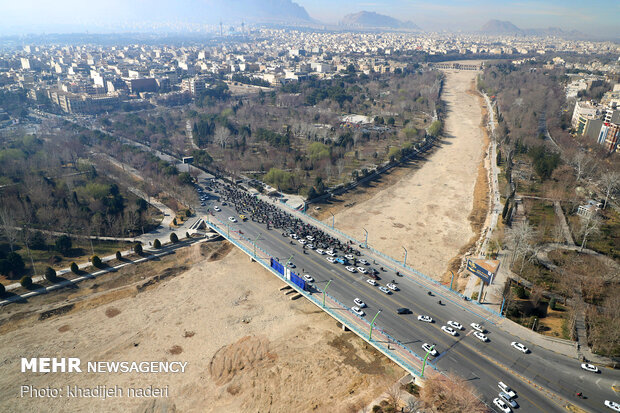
<point x="351" y="269"/>
<point x="232" y="219"/>
<point x="217" y="208"/>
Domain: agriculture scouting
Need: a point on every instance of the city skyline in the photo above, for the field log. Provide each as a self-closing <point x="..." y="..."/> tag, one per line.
<point x="34" y="16"/>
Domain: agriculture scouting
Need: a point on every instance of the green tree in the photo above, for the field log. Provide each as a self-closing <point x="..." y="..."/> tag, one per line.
<point x="156" y="244"/>
<point x="50" y="274"/>
<point x="119" y="256"/>
<point x="174" y="238"/>
<point x="96" y="261"/>
<point x="137" y="248"/>
<point x="37" y="242"/>
<point x="63" y="244"/>
<point x="74" y="268"/>
<point x="2" y="289"/>
<point x="553" y="303"/>
<point x="520" y="292"/>
<point x="435" y="128"/>
<point x="26" y="281"/>
<point x="12" y="266"/>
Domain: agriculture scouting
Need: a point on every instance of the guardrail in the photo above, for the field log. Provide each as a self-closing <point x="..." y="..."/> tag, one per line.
<point x="400" y="354"/>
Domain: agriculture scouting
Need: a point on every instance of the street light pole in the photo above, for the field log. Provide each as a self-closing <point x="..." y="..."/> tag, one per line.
<point x="332" y="219"/>
<point x="324" y="290"/>
<point x="424" y="362"/>
<point x="366" y="241"/>
<point x="372" y="324"/>
<point x="289" y="260"/>
<point x="405" y="262"/>
<point x="254" y="242"/>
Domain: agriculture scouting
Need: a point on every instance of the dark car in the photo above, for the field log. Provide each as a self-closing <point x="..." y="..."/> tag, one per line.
<point x="403" y="311"/>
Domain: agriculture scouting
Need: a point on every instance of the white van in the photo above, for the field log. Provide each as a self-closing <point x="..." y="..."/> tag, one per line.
<point x="503" y="387"/>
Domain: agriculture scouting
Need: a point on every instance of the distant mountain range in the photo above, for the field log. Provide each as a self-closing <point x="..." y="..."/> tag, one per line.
<point x="372" y="20"/>
<point x="506" y="27"/>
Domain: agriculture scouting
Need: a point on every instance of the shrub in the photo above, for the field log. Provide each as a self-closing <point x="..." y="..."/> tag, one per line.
<point x="474" y="296"/>
<point x="552" y="303"/>
<point x="12" y="266"/>
<point x="188" y="213"/>
<point x="174" y="221"/>
<point x="26" y="281"/>
<point x="520" y="292"/>
<point x="50" y="274"/>
<point x="119" y="255"/>
<point x="156" y="244"/>
<point x="2" y="289"/>
<point x="173" y="237"/>
<point x="63" y="244"/>
<point x="96" y="261"/>
<point x="137" y="248"/>
<point x="74" y="268"/>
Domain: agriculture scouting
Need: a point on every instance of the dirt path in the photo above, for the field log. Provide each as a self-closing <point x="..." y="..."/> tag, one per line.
<point x="429" y="211"/>
<point x="248" y="346"/>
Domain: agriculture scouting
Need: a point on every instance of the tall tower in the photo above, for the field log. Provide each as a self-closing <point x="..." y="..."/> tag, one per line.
<point x="220" y="27"/>
<point x="242" y="28"/>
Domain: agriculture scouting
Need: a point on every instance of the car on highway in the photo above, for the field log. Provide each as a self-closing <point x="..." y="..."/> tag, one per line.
<point x="290" y="265"/>
<point x="385" y="290"/>
<point x="403" y="310"/>
<point x="371" y="282"/>
<point x="477" y="327"/>
<point x="454" y="324"/>
<point x="308" y="278"/>
<point x="362" y="270"/>
<point x="480" y="336"/>
<point x="357" y="311"/>
<point x="224" y="203"/>
<point x="449" y="330"/>
<point x="350" y="269"/>
<point x="508" y="400"/>
<point x="331" y="259"/>
<point x="392" y="286"/>
<point x="359" y="303"/>
<point x="331" y="253"/>
<point x="302" y="241"/>
<point x="430" y="349"/>
<point x="589" y="367"/>
<point x="217" y="208"/>
<point x="520" y="347"/>
<point x="320" y="251"/>
<point x="425" y="318"/>
<point x="501" y="405"/>
<point x="294" y="236"/>
<point x="349" y="257"/>
<point x="232" y="219"/>
<point x="506" y="389"/>
<point x="310" y="246"/>
<point x="362" y="261"/>
<point x="613" y="405"/>
<point x="342" y="260"/>
<point x="309" y="237"/>
<point x="243" y="217"/>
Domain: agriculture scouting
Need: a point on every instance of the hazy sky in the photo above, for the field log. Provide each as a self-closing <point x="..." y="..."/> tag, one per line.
<point x="596" y="17"/>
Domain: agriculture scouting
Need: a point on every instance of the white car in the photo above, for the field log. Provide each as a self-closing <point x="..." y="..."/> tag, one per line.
<point x="232" y="219"/>
<point x="294" y="236"/>
<point x="454" y="324"/>
<point x="520" y="347"/>
<point x="310" y="238"/>
<point x="506" y="389"/>
<point x="508" y="400"/>
<point x="477" y="327"/>
<point x="362" y="261"/>
<point x="501" y="405"/>
<point x="202" y="204"/>
<point x="331" y="259"/>
<point x="351" y="269"/>
<point x="359" y="303"/>
<point x="217" y="208"/>
<point x="357" y="311"/>
<point x="613" y="405"/>
<point x="385" y="290"/>
<point x="430" y="349"/>
<point x="320" y="251"/>
<point x="291" y="265"/>
<point x="371" y="282"/>
<point x="349" y="257"/>
<point x="310" y="246"/>
<point x="362" y="270"/>
<point x="449" y="330"/>
<point x="589" y="367"/>
<point x="331" y="253"/>
<point x="302" y="241"/>
<point x="480" y="336"/>
<point x="308" y="278"/>
<point x="392" y="287"/>
<point x="425" y="318"/>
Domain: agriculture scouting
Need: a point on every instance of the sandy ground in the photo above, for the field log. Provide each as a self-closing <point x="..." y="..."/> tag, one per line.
<point x="428" y="210"/>
<point x="249" y="347"/>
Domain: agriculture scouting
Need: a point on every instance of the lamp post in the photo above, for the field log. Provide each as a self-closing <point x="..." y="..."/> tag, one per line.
<point x="332" y="219"/>
<point x="254" y="242"/>
<point x="405" y="262"/>
<point x="366" y="240"/>
<point x="289" y="260"/>
<point x="372" y="324"/>
<point x="324" y="290"/>
<point x="424" y="362"/>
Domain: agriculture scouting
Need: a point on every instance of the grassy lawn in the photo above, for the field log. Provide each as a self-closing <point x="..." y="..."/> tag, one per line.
<point x="556" y="323"/>
<point x="607" y="241"/>
<point x="541" y="215"/>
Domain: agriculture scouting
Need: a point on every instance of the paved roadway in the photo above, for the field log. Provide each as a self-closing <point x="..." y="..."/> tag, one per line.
<point x="482" y="364"/>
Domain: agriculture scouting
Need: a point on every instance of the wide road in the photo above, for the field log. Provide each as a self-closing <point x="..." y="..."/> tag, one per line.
<point x="482" y="364"/>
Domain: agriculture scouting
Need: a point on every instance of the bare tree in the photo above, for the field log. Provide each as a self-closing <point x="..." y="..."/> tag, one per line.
<point x="519" y="239"/>
<point x="340" y="166"/>
<point x="590" y="225"/>
<point x="9" y="225"/>
<point x="222" y="135"/>
<point x="394" y="395"/>
<point x="609" y="182"/>
<point x="582" y="164"/>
